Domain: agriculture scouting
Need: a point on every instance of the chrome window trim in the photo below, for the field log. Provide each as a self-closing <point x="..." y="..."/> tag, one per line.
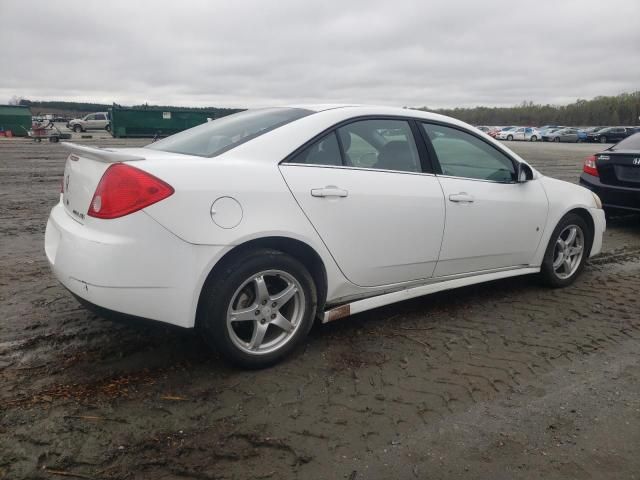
<point x="479" y="180"/>
<point x="348" y="167"/>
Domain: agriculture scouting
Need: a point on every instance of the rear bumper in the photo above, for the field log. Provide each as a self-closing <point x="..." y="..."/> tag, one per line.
<point x="136" y="268"/>
<point x="612" y="196"/>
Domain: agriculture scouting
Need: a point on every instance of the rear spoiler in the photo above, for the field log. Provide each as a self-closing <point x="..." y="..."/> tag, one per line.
<point x="101" y="154"/>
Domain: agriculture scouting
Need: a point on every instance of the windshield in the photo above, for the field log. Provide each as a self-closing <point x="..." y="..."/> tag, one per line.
<point x="218" y="136"/>
<point x="629" y="143"/>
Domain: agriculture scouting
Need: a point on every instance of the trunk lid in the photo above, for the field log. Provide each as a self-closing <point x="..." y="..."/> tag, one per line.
<point x="82" y="173"/>
<point x="620" y="168"/>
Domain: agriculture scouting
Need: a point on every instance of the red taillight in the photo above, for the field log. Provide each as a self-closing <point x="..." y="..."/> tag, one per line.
<point x="590" y="166"/>
<point x="124" y="189"/>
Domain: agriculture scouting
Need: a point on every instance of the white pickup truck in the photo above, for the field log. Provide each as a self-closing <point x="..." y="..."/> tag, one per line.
<point x="92" y="121"/>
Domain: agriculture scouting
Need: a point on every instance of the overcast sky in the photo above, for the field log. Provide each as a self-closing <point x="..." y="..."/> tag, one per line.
<point x="255" y="53"/>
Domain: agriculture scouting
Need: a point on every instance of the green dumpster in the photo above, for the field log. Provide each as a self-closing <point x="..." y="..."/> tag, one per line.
<point x="15" y="118"/>
<point x="151" y="122"/>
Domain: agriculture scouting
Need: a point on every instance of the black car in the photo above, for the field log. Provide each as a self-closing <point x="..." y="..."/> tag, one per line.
<point x="610" y="134"/>
<point x="614" y="175"/>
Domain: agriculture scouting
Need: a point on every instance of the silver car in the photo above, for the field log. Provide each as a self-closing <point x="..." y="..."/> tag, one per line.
<point x="563" y="135"/>
<point x="92" y="121"/>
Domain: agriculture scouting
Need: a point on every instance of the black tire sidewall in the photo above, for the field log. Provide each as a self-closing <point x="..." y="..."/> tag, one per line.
<point x="546" y="269"/>
<point x="220" y="288"/>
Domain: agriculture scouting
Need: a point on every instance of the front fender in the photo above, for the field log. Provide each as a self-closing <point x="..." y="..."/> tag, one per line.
<point x="565" y="197"/>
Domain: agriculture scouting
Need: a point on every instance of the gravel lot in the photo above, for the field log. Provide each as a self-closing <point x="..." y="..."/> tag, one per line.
<point x="504" y="380"/>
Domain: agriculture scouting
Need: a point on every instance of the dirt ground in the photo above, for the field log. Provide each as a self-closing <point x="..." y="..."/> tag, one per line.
<point x="506" y="380"/>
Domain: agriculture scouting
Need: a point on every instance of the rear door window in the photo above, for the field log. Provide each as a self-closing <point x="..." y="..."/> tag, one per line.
<point x="384" y="144"/>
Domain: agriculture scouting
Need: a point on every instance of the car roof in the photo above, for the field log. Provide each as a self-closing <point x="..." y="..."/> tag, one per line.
<point x="354" y="110"/>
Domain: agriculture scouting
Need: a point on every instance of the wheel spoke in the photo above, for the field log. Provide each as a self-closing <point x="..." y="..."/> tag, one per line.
<point x="575" y="250"/>
<point x="561" y="243"/>
<point x="262" y="294"/>
<point x="572" y="236"/>
<point x="285" y="295"/>
<point x="281" y="322"/>
<point x="558" y="261"/>
<point x="258" y="335"/>
<point x="244" y="315"/>
<point x="567" y="265"/>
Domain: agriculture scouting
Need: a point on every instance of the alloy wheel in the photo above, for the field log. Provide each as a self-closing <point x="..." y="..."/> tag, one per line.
<point x="265" y="312"/>
<point x="568" y="251"/>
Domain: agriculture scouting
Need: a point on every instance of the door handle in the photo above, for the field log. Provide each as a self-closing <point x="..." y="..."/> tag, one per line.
<point x="329" y="191"/>
<point x="461" y="197"/>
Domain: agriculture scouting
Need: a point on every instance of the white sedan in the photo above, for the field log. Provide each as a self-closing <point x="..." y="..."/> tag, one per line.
<point x="529" y="134"/>
<point x="252" y="226"/>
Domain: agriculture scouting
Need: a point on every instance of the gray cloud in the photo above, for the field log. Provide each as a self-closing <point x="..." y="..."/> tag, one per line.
<point x="252" y="53"/>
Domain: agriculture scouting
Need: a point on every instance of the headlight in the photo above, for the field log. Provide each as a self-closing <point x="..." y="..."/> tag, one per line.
<point x="596" y="198"/>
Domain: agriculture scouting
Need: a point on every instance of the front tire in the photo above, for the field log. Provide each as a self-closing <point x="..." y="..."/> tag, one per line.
<point x="258" y="308"/>
<point x="77" y="128"/>
<point x="557" y="139"/>
<point x="510" y="137"/>
<point x="567" y="251"/>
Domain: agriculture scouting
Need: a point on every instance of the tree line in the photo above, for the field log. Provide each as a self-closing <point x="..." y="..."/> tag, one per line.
<point x="623" y="109"/>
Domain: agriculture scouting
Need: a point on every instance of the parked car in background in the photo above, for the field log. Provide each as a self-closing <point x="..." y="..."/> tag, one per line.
<point x="167" y="232"/>
<point x="609" y="134"/>
<point x="614" y="175"/>
<point x="92" y="121"/>
<point x="546" y="130"/>
<point x="562" y="135"/>
<point x="519" y="133"/>
<point x="484" y="129"/>
<point x="494" y="133"/>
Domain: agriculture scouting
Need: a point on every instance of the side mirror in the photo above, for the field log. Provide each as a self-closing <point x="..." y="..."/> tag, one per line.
<point x="524" y="173"/>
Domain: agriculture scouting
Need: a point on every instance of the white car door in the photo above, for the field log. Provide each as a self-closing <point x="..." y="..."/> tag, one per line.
<point x="364" y="189"/>
<point x="491" y="221"/>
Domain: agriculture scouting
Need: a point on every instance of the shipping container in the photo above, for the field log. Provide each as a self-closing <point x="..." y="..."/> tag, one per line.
<point x="15" y="118"/>
<point x="151" y="122"/>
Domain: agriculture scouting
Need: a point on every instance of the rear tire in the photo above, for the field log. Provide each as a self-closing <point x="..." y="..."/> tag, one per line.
<point x="108" y="128"/>
<point x="241" y="315"/>
<point x="534" y="138"/>
<point x="556" y="139"/>
<point x="509" y="137"/>
<point x="566" y="253"/>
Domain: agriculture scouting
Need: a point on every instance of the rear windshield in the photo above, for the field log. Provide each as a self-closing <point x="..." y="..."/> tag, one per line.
<point x="218" y="136"/>
<point x="629" y="143"/>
